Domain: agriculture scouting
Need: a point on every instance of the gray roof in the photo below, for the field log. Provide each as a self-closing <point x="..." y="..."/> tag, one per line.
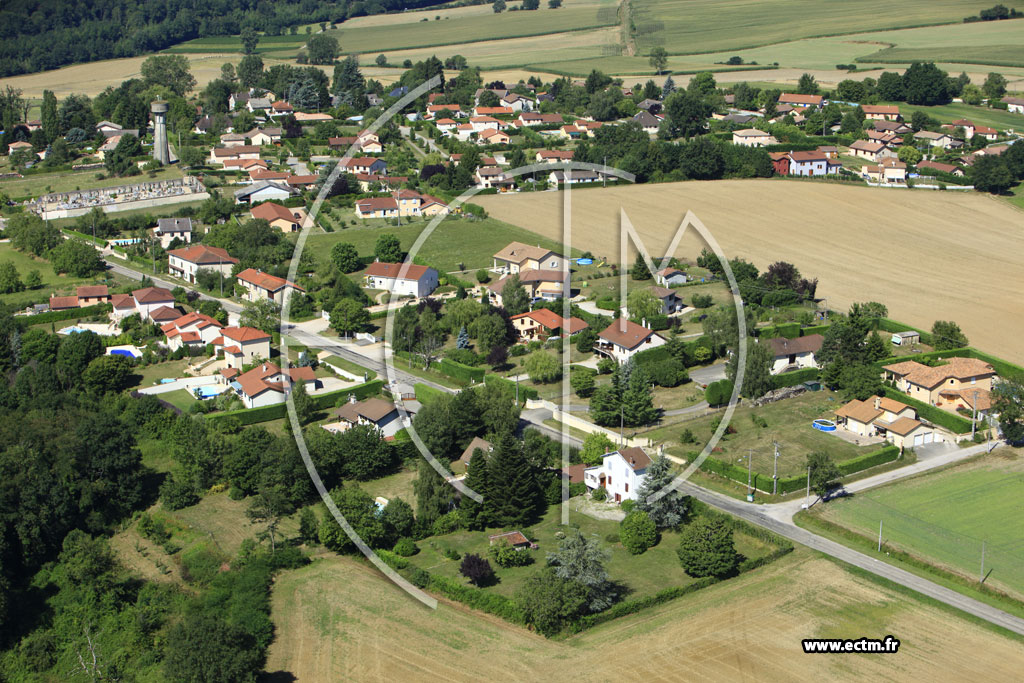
<point x="259" y="103"/>
<point x="261" y="185"/>
<point x="173" y="225"/>
<point x="646" y="119"/>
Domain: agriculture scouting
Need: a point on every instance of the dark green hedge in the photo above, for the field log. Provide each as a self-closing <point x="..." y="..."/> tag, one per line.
<point x="69" y="314"/>
<point x="460" y="371"/>
<point x="525" y="392"/>
<point x="814" y="329"/>
<point x="792" y="379"/>
<point x="863" y="462"/>
<point x="942" y="418"/>
<point x="787" y="330"/>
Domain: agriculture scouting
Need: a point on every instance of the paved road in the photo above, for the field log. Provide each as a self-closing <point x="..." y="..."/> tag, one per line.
<point x="705" y="376"/>
<point x="695" y="408"/>
<point x="753" y="514"/>
<point x="119" y="267"/>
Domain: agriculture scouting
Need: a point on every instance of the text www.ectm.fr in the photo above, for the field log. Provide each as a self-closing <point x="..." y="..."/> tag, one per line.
<point x="838" y="645"/>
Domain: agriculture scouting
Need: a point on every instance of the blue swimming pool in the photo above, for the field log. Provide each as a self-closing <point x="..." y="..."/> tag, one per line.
<point x="73" y="329"/>
<point x="208" y="392"/>
<point x="584" y="261"/>
<point x="122" y="352"/>
<point x="168" y="380"/>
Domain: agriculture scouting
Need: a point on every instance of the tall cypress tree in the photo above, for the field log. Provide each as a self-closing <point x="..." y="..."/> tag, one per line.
<point x="637" y="401"/>
<point x="434" y="496"/>
<point x="513" y="493"/>
<point x="49" y="116"/>
<point x="473" y="513"/>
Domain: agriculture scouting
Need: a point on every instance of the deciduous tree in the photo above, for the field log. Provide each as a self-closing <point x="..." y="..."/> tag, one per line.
<point x="706" y="548"/>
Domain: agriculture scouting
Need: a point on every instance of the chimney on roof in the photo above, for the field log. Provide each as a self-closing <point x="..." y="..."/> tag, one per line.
<point x="878" y="402"/>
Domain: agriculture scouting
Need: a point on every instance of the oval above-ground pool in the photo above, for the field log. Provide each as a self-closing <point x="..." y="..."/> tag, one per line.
<point x="824" y="425"/>
<point x="584" y="261"/>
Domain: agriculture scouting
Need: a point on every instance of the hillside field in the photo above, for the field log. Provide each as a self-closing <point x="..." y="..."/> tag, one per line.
<point x="926" y="255"/>
<point x="338" y="619"/>
<point x="945" y="516"/>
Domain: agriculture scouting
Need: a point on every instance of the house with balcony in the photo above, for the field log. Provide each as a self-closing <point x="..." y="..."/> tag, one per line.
<point x="187" y="262"/>
<point x="620" y="474"/>
<point x="623" y="339"/>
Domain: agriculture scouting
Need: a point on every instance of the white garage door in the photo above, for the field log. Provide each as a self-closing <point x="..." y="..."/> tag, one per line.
<point x="928" y="437"/>
<point x="918" y="439"/>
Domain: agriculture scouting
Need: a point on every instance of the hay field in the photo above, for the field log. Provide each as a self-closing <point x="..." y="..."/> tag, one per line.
<point x="337" y="619"/>
<point x="926" y="255"/>
<point x="692" y="26"/>
<point x="473" y="27"/>
<point x="90" y="79"/>
<point x="553" y="49"/>
<point x="918" y="516"/>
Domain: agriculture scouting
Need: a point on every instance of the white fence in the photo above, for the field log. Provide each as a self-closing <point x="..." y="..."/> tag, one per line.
<point x="583" y="425"/>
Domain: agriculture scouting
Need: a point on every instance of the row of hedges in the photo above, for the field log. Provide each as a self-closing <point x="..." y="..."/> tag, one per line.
<point x="525" y="392"/>
<point x="889" y="325"/>
<point x="873" y="459"/>
<point x="248" y="416"/>
<point x="792" y="379"/>
<point x="814" y="329"/>
<point x="796" y="482"/>
<point x="943" y="418"/>
<point x="69" y="314"/>
<point x="787" y="330"/>
<point x="460" y="371"/>
<point x="425" y="393"/>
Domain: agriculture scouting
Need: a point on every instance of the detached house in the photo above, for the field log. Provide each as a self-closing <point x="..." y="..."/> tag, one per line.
<point x="554" y="156"/>
<point x="260" y="285"/>
<point x="366" y="165"/>
<point x="620" y="474"/>
<point x="883" y="417"/>
<point x="281" y="217"/>
<point x="150" y="299"/>
<point x="752" y="137"/>
<point x="889" y="172"/>
<point x="794" y="354"/>
<point x="623" y="339"/>
<point x="192" y="329"/>
<point x="946" y="386"/>
<point x="262" y="191"/>
<point x="187" y="262"/>
<point x="267" y="384"/>
<point x="1014" y="105"/>
<point x="542" y="323"/>
<point x="813" y="163"/>
<point x="881" y="112"/>
<point x="648" y="122"/>
<point x="89" y="295"/>
<point x="169" y="229"/>
<point x="539" y="284"/>
<point x="518" y="256"/>
<point x="373" y="412"/>
<point x="874" y="151"/>
<point x="938" y="139"/>
<point x="401" y="279"/>
<point x="801" y="101"/>
<point x="242" y="345"/>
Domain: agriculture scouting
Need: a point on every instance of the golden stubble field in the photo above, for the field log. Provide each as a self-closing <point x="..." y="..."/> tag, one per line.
<point x="340" y="620"/>
<point x="926" y="255"/>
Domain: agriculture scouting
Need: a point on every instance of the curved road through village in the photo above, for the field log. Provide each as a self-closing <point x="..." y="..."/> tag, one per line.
<point x="777" y="517"/>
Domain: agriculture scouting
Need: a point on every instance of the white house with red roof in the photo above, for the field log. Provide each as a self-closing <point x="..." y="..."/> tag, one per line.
<point x="242" y="345"/>
<point x="267" y="384"/>
<point x="150" y="299"/>
<point x="191" y="329"/>
<point x="260" y="285"/>
<point x="801" y="101"/>
<point x="621" y="473"/>
<point x="188" y="261"/>
<point x="621" y="340"/>
<point x="401" y="279"/>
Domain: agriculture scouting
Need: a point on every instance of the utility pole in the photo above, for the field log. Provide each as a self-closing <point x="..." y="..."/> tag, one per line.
<point x="750" y="454"/>
<point x="808" y="499"/>
<point x="974" y="414"/>
<point x="981" y="577"/>
<point x="879" y="535"/>
<point x="622" y="440"/>
<point x="775" y="470"/>
<point x="517" y="388"/>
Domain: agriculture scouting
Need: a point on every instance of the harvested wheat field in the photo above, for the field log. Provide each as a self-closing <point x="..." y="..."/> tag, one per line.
<point x="340" y="620"/>
<point x="926" y="255"/>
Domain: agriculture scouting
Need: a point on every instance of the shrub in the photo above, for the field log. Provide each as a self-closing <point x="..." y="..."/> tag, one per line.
<point x="605" y="366"/>
<point x="687" y="436"/>
<point x="638" y="532"/>
<point x="612" y="538"/>
<point x="599" y="494"/>
<point x="477" y="570"/>
<point x="628" y="505"/>
<point x="701" y="301"/>
<point x="406" y="547"/>
<point x="718" y="393"/>
<point x="452" y="554"/>
<point x="483" y="276"/>
<point x="504" y="555"/>
<point x="176" y="495"/>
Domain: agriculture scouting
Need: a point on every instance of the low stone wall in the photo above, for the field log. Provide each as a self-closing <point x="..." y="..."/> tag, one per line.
<point x="126" y="206"/>
<point x="583" y="425"/>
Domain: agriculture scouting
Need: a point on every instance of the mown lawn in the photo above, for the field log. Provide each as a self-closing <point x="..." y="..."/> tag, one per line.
<point x="983" y="116"/>
<point x="52" y="283"/>
<point x="455" y="242"/>
<point x="179" y="398"/>
<point x="640" y="575"/>
<point x="147" y="376"/>
<point x="789" y="423"/>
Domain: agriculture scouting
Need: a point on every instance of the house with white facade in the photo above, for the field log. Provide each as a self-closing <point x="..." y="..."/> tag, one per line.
<point x="267" y="384"/>
<point x="187" y="262"/>
<point x="373" y="412"/>
<point x="242" y="345"/>
<point x="794" y="354"/>
<point x="169" y="229"/>
<point x="150" y="299"/>
<point x="192" y="329"/>
<point x="620" y="473"/>
<point x="260" y="285"/>
<point x="621" y="340"/>
<point x="752" y="137"/>
<point x="888" y="419"/>
<point x="666" y="277"/>
<point x="401" y="279"/>
<point x="517" y="257"/>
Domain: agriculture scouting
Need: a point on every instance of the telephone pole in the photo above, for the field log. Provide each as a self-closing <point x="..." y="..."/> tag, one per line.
<point x="750" y="453"/>
<point x="981" y="577"/>
<point x="879" y="535"/>
<point x="775" y="469"/>
<point x="974" y="414"/>
<point x="808" y="499"/>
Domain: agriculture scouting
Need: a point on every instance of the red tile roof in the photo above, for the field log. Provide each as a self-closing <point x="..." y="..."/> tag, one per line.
<point x="152" y="295"/>
<point x="392" y="270"/>
<point x="265" y="281"/>
<point x="201" y="254"/>
<point x="625" y="333"/>
<point x="92" y="291"/>
<point x="269" y="211"/>
<point x="244" y="334"/>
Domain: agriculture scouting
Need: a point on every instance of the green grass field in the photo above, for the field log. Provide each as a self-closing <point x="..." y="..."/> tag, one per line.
<point x="642" y="575"/>
<point x="269" y="46"/>
<point x="945" y="517"/>
<point x="996" y="118"/>
<point x="52" y="283"/>
<point x="477" y="241"/>
<point x="695" y="26"/>
<point x="789" y="423"/>
<point x="996" y="55"/>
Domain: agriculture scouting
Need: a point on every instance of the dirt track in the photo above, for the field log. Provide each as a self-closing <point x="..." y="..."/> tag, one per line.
<point x="926" y="255"/>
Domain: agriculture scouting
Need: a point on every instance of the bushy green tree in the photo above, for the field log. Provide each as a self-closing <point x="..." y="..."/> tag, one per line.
<point x="514" y="298"/>
<point x="823" y="472"/>
<point x="10" y="281"/>
<point x="582" y="382"/>
<point x="582" y="560"/>
<point x="108" y="373"/>
<point x="946" y="334"/>
<point x="542" y="367"/>
<point x="345" y="257"/>
<point x="638" y="532"/>
<point x="706" y="548"/>
<point x="388" y="249"/>
<point x="548" y="601"/>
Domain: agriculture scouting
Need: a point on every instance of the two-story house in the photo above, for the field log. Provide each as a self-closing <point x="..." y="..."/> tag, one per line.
<point x="623" y="339"/>
<point x="414" y="280"/>
<point x="242" y="345"/>
<point x="947" y="385"/>
<point x="518" y="256"/>
<point x="169" y="229"/>
<point x="373" y="412"/>
<point x="187" y="262"/>
<point x="620" y="473"/>
<point x="794" y="354"/>
<point x="260" y="285"/>
<point x="191" y="329"/>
